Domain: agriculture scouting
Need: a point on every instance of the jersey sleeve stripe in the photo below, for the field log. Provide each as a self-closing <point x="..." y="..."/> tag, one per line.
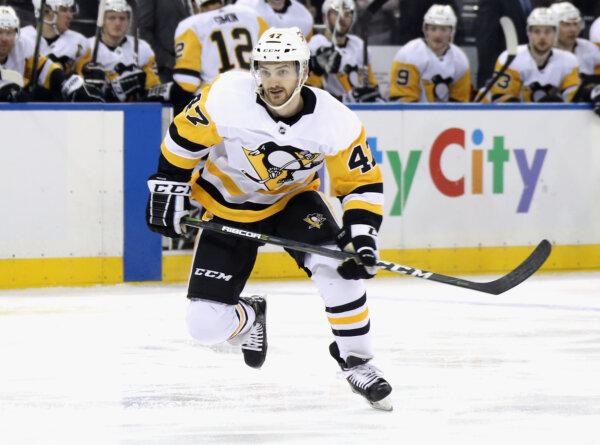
<point x="356" y="204"/>
<point x="177" y="160"/>
<point x="187" y="72"/>
<point x="173" y="137"/>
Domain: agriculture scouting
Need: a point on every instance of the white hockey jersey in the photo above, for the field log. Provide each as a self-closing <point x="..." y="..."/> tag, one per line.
<point x="68" y="49"/>
<point x="524" y="78"/>
<point x="20" y="59"/>
<point x="213" y="42"/>
<point x="419" y="75"/>
<point x="253" y="163"/>
<point x="125" y="54"/>
<point x="595" y="32"/>
<point x="294" y="14"/>
<point x="588" y="56"/>
<point x="352" y="53"/>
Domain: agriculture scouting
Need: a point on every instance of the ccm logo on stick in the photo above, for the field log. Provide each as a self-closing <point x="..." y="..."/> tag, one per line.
<point x="212" y="274"/>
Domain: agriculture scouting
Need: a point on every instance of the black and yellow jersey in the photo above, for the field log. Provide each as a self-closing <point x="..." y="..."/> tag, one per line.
<point x="125" y="54"/>
<point x="245" y="164"/>
<point x="524" y="80"/>
<point x="420" y="75"/>
<point x="352" y="59"/>
<point x="20" y="59"/>
<point x="213" y="42"/>
<point x="293" y="13"/>
<point x="67" y="49"/>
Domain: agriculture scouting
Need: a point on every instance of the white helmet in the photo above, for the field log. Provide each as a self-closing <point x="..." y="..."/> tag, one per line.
<point x="338" y="5"/>
<point x="441" y="15"/>
<point x="566" y="12"/>
<point x="542" y="17"/>
<point x="9" y="18"/>
<point x="54" y="4"/>
<point x="281" y="45"/>
<point x="117" y="5"/>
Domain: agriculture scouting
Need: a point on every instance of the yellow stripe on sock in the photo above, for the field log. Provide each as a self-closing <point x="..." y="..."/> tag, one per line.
<point x="242" y="315"/>
<point x="349" y="320"/>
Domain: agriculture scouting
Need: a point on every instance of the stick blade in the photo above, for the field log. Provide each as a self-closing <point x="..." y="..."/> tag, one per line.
<point x="510" y="35"/>
<point x="523" y="271"/>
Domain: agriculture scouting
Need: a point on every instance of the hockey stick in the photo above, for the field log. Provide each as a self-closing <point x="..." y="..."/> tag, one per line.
<point x="35" y="74"/>
<point x="99" y="25"/>
<point x="523" y="271"/>
<point x="510" y="36"/>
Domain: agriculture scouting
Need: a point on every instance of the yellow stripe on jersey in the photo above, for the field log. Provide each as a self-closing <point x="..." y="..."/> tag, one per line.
<point x="45" y="68"/>
<point x="229" y="184"/>
<point x="188" y="58"/>
<point x="570" y="82"/>
<point x="597" y="69"/>
<point x="351" y="319"/>
<point x="353" y="167"/>
<point x="151" y="77"/>
<point x="509" y="84"/>
<point x="315" y="81"/>
<point x="362" y="205"/>
<point x="262" y="26"/>
<point x="404" y="82"/>
<point x="461" y="89"/>
<point x="79" y="63"/>
<point x="371" y="76"/>
<point x="176" y="160"/>
<point x="195" y="124"/>
<point x="241" y="215"/>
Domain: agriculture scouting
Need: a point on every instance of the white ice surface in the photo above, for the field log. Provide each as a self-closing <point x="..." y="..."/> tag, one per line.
<point x="114" y="365"/>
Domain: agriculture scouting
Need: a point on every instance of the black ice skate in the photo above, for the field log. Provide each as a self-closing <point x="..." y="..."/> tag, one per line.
<point x="254" y="346"/>
<point x="364" y="379"/>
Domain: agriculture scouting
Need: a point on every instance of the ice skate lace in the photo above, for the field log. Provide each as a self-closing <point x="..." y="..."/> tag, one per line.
<point x="363" y="375"/>
<point x="254" y="341"/>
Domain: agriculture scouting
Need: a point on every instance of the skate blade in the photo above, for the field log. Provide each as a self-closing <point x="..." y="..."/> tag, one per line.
<point x="384" y="404"/>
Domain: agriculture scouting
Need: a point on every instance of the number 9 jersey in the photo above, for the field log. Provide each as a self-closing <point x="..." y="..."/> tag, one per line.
<point x="419" y="75"/>
<point x="213" y="42"/>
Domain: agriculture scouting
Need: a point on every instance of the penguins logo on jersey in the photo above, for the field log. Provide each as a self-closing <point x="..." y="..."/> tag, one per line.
<point x="314" y="220"/>
<point x="275" y="165"/>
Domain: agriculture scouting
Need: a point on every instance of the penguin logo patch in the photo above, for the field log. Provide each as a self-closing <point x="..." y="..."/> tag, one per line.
<point x="314" y="220"/>
<point x="275" y="165"/>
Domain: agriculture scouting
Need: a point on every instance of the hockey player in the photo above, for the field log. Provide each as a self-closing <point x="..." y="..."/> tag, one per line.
<point x="588" y="54"/>
<point x="59" y="43"/>
<point x="432" y="69"/>
<point x="282" y="14"/>
<point x="17" y="71"/>
<point x="261" y="138"/>
<point x="539" y="73"/>
<point x="570" y="26"/>
<point x="218" y="39"/>
<point x="338" y="58"/>
<point x="125" y="67"/>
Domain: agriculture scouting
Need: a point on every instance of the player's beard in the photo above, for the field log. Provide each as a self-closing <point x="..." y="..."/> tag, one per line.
<point x="277" y="95"/>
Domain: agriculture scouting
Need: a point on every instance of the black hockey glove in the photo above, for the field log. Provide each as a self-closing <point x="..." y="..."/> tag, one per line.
<point x="74" y="89"/>
<point x="94" y="75"/>
<point x="129" y="85"/>
<point x="366" y="95"/>
<point x="362" y="239"/>
<point x="11" y="86"/>
<point x="168" y="203"/>
<point x="11" y="92"/>
<point x="327" y="60"/>
<point x="160" y="93"/>
<point x="595" y="99"/>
